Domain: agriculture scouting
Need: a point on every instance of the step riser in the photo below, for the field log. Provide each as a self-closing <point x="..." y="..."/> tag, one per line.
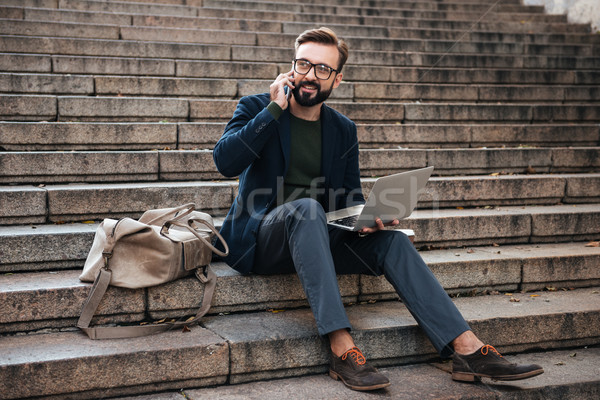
<point x="437" y="29"/>
<point x="142" y="166"/>
<point x="579" y="381"/>
<point x="79" y="203"/>
<point x="90" y="47"/>
<point x="171" y="87"/>
<point x="123" y="7"/>
<point x="210" y="36"/>
<point x="238" y="70"/>
<point x="49" y="247"/>
<point x="131" y="136"/>
<point x="383" y="346"/>
<point x="67" y="108"/>
<point x="56" y="136"/>
<point x="106" y="357"/>
<point x="294" y="347"/>
<point x="513" y="268"/>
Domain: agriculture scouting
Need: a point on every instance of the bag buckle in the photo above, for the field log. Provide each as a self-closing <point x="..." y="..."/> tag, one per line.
<point x="202" y="276"/>
<point x="107" y="256"/>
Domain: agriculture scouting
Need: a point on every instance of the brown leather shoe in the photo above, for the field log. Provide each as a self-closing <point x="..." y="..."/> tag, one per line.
<point x="354" y="372"/>
<point x="488" y="363"/>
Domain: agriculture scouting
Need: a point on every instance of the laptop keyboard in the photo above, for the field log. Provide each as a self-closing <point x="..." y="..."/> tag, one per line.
<point x="346" y="221"/>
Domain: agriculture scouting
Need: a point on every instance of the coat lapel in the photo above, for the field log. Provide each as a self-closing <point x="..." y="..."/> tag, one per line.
<point x="285" y="138"/>
<point x="329" y="134"/>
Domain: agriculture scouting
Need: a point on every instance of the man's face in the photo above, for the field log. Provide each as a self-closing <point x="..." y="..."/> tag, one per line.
<point x="309" y="90"/>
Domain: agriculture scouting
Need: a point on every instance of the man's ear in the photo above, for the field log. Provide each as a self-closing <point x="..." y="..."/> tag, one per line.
<point x="338" y="80"/>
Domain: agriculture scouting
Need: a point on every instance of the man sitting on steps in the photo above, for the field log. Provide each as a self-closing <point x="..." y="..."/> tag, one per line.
<point x="297" y="159"/>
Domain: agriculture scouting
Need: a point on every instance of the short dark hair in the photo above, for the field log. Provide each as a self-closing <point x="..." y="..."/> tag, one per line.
<point x="325" y="36"/>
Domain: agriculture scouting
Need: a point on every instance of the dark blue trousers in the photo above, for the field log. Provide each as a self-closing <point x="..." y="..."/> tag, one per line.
<point x="295" y="237"/>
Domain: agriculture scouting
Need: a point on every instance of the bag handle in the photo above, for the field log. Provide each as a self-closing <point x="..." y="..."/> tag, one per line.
<point x="165" y="232"/>
<point x="118" y="332"/>
<point x="186" y="208"/>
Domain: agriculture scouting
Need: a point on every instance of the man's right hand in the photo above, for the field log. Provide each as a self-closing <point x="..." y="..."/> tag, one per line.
<point x="277" y="91"/>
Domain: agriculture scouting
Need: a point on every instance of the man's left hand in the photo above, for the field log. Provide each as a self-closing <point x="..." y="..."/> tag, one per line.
<point x="379" y="225"/>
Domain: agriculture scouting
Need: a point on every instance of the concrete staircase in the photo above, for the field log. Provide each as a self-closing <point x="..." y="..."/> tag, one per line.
<point x="110" y="108"/>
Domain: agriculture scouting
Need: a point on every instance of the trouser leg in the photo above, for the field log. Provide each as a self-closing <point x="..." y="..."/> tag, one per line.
<point x="392" y="254"/>
<point x="294" y="238"/>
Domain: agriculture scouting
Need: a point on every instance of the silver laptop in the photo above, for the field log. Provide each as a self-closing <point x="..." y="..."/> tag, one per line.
<point x="392" y="197"/>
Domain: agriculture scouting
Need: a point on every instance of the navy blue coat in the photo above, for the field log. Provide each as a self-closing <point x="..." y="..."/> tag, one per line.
<point x="256" y="147"/>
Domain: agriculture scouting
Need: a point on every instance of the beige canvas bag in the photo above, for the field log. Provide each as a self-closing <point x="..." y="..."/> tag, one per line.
<point x="163" y="245"/>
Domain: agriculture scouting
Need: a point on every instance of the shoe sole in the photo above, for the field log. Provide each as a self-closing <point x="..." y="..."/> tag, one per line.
<point x="336" y="377"/>
<point x="471" y="377"/>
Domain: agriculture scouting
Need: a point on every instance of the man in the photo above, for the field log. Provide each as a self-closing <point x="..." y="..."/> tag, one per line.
<point x="297" y="159"/>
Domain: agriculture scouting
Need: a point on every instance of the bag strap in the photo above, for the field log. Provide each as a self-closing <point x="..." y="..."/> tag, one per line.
<point x="208" y="277"/>
<point x="165" y="232"/>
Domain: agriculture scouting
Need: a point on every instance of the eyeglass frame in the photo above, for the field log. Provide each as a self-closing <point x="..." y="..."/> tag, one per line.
<point x="314" y="65"/>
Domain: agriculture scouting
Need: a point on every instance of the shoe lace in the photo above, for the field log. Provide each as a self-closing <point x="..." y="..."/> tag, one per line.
<point x="356" y="355"/>
<point x="486" y="348"/>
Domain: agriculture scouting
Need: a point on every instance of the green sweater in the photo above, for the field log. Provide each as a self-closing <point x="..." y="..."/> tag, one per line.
<point x="305" y="158"/>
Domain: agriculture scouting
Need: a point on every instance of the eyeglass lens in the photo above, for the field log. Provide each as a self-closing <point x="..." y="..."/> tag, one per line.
<point x="321" y="71"/>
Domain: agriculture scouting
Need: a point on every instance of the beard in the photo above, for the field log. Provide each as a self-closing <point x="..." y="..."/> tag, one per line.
<point x="305" y="100"/>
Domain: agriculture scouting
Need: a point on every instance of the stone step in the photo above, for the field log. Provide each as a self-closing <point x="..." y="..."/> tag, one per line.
<point x="67" y="353"/>
<point x="386" y="3"/>
<point x="63" y="29"/>
<point x="432" y="29"/>
<point x="459" y="136"/>
<point x="81" y="202"/>
<point x="59" y="136"/>
<point x="198" y="3"/>
<point x="155" y="109"/>
<point x="434" y="49"/>
<point x="345" y="30"/>
<point x="576" y="369"/>
<point x="390" y="112"/>
<point x="230" y="37"/>
<point x="523" y="25"/>
<point x="229" y="88"/>
<point x="441" y="59"/>
<point x="129" y="7"/>
<point x="235" y="70"/>
<point x="112" y="48"/>
<point x="460" y="271"/>
<point x="164" y="165"/>
<point x="339" y="7"/>
<point x="536" y="32"/>
<point x="64" y="246"/>
<point x="376" y="327"/>
<point x="275" y="10"/>
<point x="194" y="3"/>
<point x="224" y="52"/>
<point x="304" y="10"/>
<point x="282" y="344"/>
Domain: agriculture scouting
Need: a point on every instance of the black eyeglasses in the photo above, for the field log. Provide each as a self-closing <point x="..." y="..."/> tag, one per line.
<point x="322" y="71"/>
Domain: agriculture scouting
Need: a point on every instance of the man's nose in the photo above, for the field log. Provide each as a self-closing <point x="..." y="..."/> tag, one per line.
<point x="311" y="73"/>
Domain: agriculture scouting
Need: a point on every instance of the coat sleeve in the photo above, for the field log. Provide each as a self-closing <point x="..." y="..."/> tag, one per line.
<point x="245" y="136"/>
